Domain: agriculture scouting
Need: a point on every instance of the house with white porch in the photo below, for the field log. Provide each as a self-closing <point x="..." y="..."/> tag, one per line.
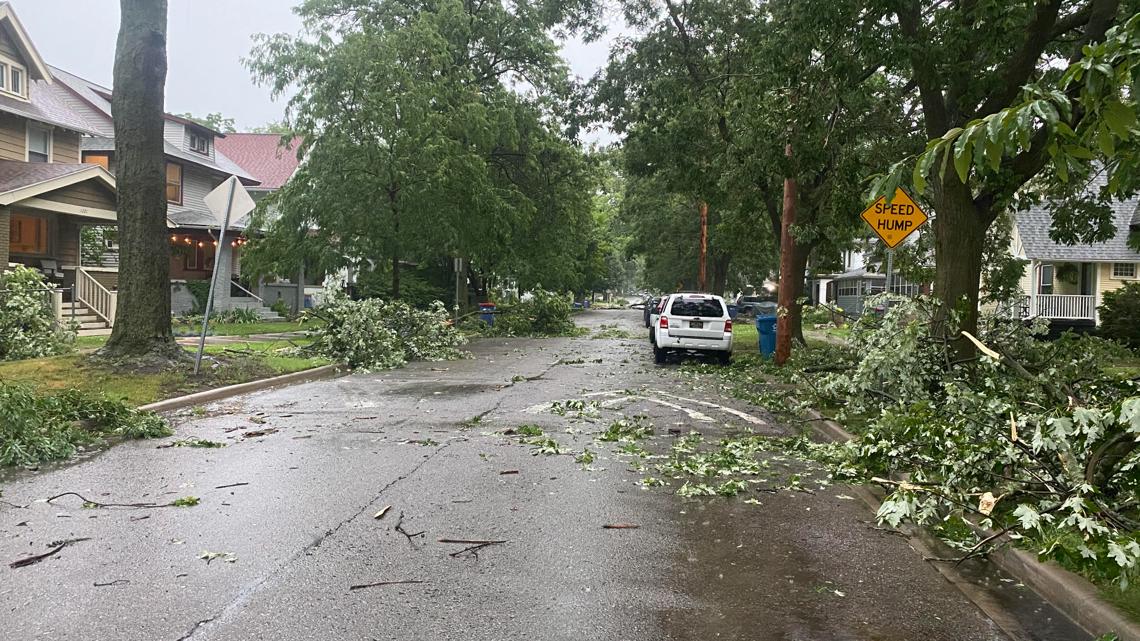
<point x="1066" y="283"/>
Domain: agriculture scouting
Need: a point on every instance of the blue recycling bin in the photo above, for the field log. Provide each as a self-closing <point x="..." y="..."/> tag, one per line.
<point x="733" y="310"/>
<point x="487" y="313"/>
<point x="766" y="328"/>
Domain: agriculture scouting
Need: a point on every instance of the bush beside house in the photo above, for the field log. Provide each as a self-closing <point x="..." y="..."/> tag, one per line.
<point x="28" y="327"/>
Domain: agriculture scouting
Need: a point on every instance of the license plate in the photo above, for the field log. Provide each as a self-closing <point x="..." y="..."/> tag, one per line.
<point x="696" y="324"/>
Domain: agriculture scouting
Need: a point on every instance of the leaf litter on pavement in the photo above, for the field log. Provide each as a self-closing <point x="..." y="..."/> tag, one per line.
<point x="739" y="464"/>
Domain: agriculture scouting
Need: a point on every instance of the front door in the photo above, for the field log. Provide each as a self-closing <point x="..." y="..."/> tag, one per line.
<point x="1088" y="276"/>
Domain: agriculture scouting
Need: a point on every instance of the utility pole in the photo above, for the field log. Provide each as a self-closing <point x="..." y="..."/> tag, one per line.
<point x="702" y="278"/>
<point x="787" y="250"/>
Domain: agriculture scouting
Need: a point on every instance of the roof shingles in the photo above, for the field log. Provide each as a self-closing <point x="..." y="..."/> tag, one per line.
<point x="1033" y="230"/>
<point x="263" y="156"/>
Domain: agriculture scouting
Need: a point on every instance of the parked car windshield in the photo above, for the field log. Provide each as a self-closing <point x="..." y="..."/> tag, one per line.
<point x="698" y="307"/>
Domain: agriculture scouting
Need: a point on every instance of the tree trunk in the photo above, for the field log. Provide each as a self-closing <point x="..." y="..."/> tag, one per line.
<point x="702" y="273"/>
<point x="960" y="235"/>
<point x="787" y="296"/>
<point x="720" y="273"/>
<point x="142" y="323"/>
<point x="392" y="196"/>
<point x="799" y="260"/>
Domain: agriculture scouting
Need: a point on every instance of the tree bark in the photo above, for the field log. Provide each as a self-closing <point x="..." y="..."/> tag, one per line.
<point x="702" y="271"/>
<point x="788" y="277"/>
<point x="720" y="273"/>
<point x="959" y="240"/>
<point x="142" y="324"/>
<point x="392" y="196"/>
<point x="799" y="261"/>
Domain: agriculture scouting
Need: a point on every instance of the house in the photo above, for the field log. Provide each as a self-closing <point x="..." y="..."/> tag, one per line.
<point x="1066" y="283"/>
<point x="860" y="279"/>
<point x="273" y="162"/>
<point x="48" y="196"/>
<point x="194" y="167"/>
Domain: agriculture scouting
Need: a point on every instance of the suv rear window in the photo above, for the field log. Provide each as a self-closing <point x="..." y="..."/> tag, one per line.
<point x="709" y="308"/>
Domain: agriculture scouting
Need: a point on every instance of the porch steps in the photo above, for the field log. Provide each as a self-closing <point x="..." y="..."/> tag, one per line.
<point x="89" y="323"/>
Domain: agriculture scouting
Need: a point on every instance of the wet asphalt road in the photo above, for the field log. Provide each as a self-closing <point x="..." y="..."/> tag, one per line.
<point x="426" y="440"/>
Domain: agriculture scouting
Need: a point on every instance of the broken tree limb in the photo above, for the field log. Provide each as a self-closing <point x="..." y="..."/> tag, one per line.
<point x="377" y="584"/>
<point x="222" y="487"/>
<point x="87" y="501"/>
<point x="56" y="548"/>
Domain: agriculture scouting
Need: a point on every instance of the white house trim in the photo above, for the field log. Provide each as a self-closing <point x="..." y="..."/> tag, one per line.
<point x="36" y="64"/>
<point x="35" y="189"/>
<point x="65" y="208"/>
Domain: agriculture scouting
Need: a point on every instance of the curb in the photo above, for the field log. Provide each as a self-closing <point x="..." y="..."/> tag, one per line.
<point x="316" y="373"/>
<point x="1070" y="593"/>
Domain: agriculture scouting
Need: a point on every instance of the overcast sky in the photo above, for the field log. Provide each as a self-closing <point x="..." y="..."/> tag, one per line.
<point x="206" y="42"/>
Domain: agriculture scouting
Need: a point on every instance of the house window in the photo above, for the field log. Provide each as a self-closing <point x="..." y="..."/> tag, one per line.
<point x="12" y="78"/>
<point x="39" y="144"/>
<point x="103" y="160"/>
<point x="173" y="183"/>
<point x="849" y="288"/>
<point x="199" y="143"/>
<point x="29" y="234"/>
<point x="194" y="257"/>
<point x="1124" y="270"/>
<point x="1045" y="283"/>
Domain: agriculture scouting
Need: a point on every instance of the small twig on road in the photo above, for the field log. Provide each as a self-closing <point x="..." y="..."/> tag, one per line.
<point x="474" y="545"/>
<point x="110" y="583"/>
<point x="89" y="502"/>
<point x="221" y="487"/>
<point x="401" y="530"/>
<point x="56" y="547"/>
<point x="363" y="586"/>
<point x="620" y="526"/>
<point x="508" y="472"/>
<point x="382" y="512"/>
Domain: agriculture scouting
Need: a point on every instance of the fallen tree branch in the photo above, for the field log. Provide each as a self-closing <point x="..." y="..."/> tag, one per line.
<point x="87" y="501"/>
<point x="56" y="548"/>
<point x="363" y="586"/>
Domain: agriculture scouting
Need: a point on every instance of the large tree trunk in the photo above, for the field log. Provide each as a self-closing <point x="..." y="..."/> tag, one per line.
<point x="720" y="273"/>
<point x="788" y="277"/>
<point x="799" y="261"/>
<point x="702" y="261"/>
<point x="142" y="323"/>
<point x="960" y="235"/>
<point x="392" y="195"/>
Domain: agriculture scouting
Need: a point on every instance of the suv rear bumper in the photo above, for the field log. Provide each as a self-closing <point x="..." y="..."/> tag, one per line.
<point x="664" y="341"/>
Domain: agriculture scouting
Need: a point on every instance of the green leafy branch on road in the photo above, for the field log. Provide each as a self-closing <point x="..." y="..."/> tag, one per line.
<point x="36" y="427"/>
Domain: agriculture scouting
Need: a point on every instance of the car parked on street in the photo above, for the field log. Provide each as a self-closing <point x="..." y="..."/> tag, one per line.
<point x="749" y="305"/>
<point x="650" y="307"/>
<point x="694" y="324"/>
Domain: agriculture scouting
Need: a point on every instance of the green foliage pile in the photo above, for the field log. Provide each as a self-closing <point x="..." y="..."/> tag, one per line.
<point x="1030" y="439"/>
<point x="35" y="427"/>
<point x="28" y="326"/>
<point x="545" y="313"/>
<point x="375" y="334"/>
<point x="1120" y="315"/>
<point x="237" y="316"/>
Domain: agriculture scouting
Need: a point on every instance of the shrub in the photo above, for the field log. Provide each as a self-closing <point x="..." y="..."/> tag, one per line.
<point x="237" y="316"/>
<point x="1036" y="442"/>
<point x="1120" y="315"/>
<point x="28" y="327"/>
<point x="543" y="314"/>
<point x="377" y="334"/>
<point x="35" y="428"/>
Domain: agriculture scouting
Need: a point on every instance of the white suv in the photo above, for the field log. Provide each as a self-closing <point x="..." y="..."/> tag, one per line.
<point x="691" y="323"/>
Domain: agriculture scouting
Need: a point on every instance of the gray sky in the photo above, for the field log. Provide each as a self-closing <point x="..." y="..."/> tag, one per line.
<point x="206" y="41"/>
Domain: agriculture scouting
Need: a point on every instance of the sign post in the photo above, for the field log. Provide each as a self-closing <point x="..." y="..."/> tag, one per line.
<point x="893" y="223"/>
<point x="227" y="201"/>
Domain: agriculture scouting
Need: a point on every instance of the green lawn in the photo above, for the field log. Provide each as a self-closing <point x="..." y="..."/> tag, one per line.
<point x="242" y="329"/>
<point x="240" y="362"/>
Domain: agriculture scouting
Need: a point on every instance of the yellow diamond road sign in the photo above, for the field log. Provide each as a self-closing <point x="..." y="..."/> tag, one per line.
<point x="894" y="222"/>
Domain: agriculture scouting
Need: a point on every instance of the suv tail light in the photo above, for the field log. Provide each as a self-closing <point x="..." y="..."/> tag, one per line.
<point x="663" y="323"/>
<point x="728" y="327"/>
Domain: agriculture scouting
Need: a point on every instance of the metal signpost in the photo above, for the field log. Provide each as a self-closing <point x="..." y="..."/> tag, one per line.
<point x="228" y="201"/>
<point x="892" y="223"/>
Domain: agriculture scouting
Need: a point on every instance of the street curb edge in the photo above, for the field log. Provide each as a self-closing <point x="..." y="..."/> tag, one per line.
<point x="1070" y="593"/>
<point x="303" y="376"/>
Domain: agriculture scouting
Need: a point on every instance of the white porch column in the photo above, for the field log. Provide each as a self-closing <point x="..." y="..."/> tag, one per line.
<point x="1034" y="284"/>
<point x="222" y="271"/>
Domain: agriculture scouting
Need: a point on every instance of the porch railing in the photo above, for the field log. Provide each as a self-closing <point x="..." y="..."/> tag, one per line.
<point x="236" y="285"/>
<point x="97" y="298"/>
<point x="1062" y="306"/>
